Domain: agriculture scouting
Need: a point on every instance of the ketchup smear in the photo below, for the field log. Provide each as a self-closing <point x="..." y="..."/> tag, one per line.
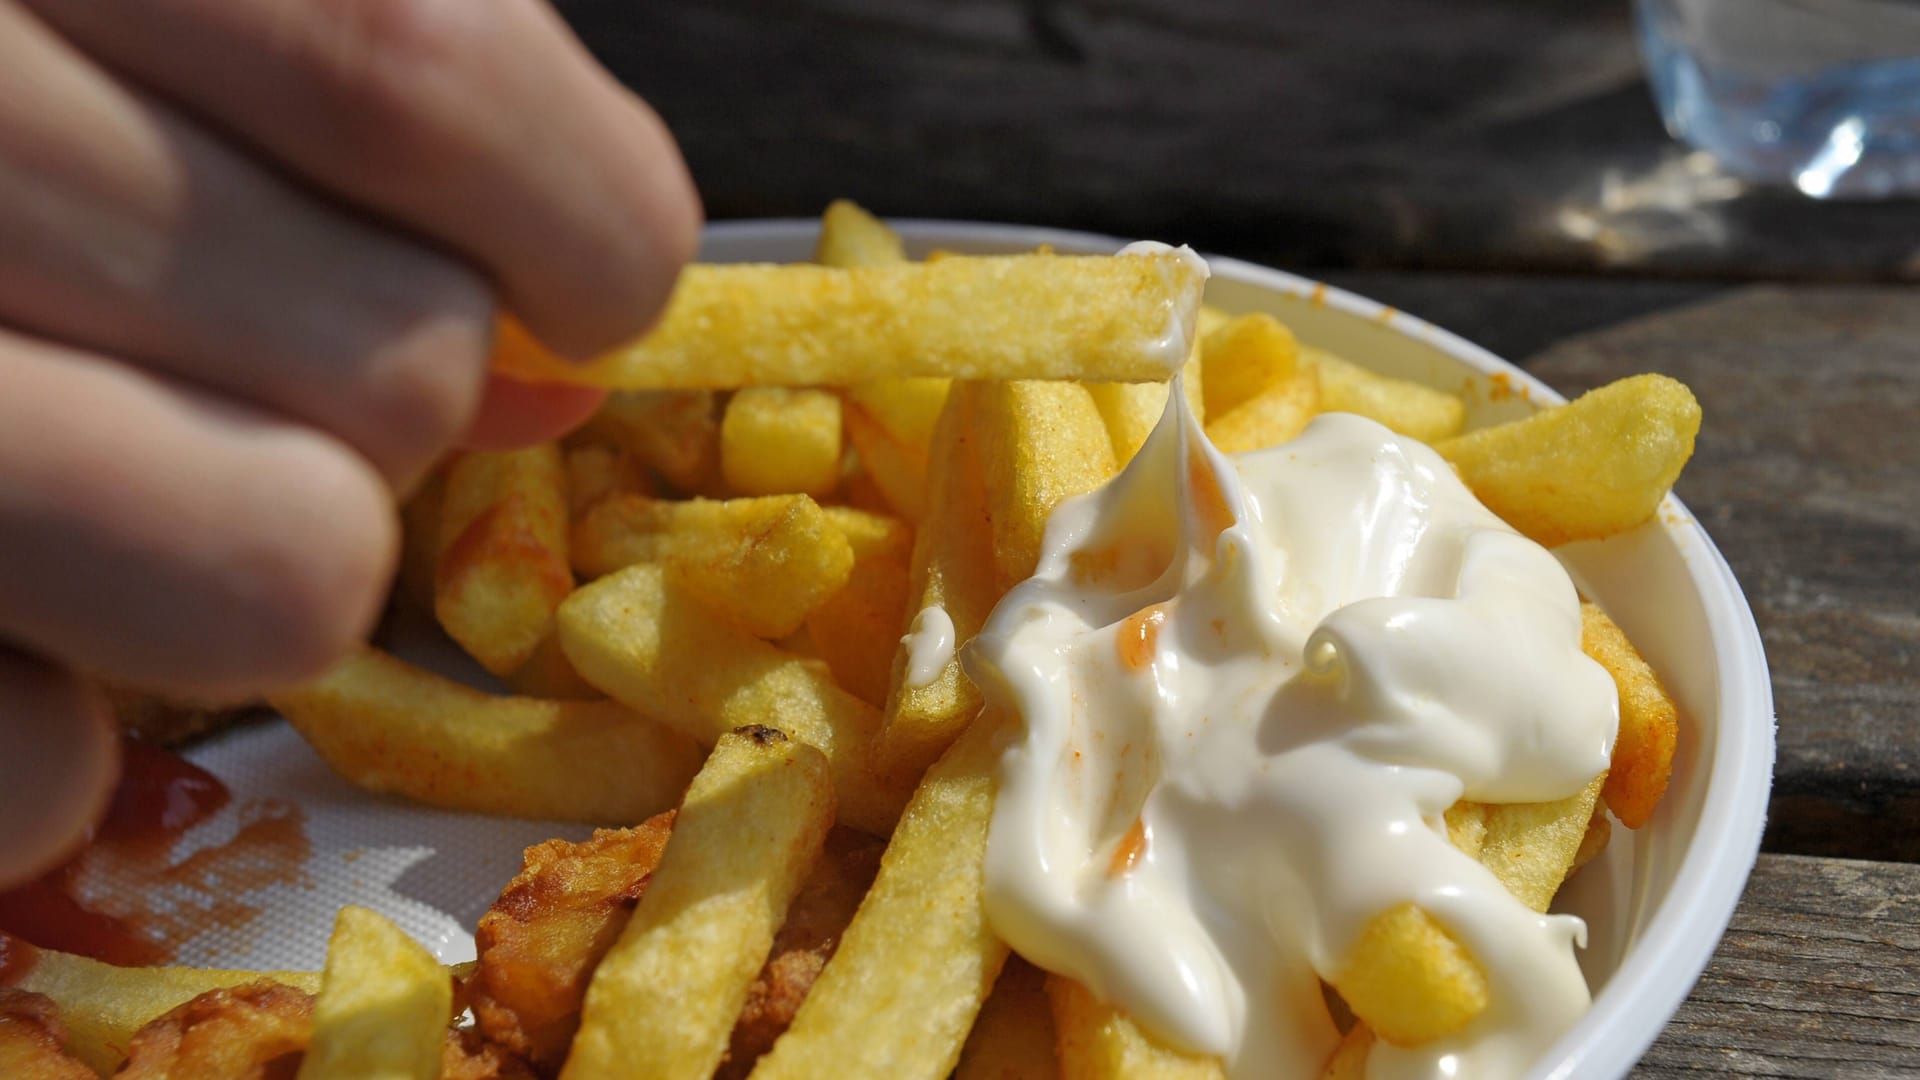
<point x="160" y="796"/>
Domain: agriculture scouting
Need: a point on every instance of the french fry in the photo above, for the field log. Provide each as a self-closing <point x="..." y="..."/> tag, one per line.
<point x="103" y="1005"/>
<point x="1599" y="831"/>
<point x="255" y="1029"/>
<point x="1209" y="319"/>
<point x="664" y="1000"/>
<point x="1013" y="1037"/>
<point x="774" y="440"/>
<point x="857" y="629"/>
<point x="1409" y="979"/>
<point x="1416" y="411"/>
<point x="1589" y="469"/>
<point x="383" y="1005"/>
<point x="849" y="236"/>
<point x="33" y="1041"/>
<point x="1118" y="318"/>
<point x="676" y="433"/>
<point x="907" y="409"/>
<point x="1039" y="443"/>
<point x="1244" y="357"/>
<point x="899" y="471"/>
<point x="389" y="726"/>
<point x="1132" y="410"/>
<point x="626" y="529"/>
<point x="646" y="642"/>
<point x="1649" y="722"/>
<point x="596" y="470"/>
<point x="953" y="571"/>
<point x="1098" y="1042"/>
<point x="781" y="560"/>
<point x="898" y="997"/>
<point x="1531" y="847"/>
<point x="502" y="565"/>
<point x="1275" y="415"/>
<point x="547" y="674"/>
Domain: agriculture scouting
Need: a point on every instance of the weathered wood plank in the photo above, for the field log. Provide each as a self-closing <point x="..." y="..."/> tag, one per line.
<point x="1476" y="133"/>
<point x="1807" y="475"/>
<point x="1818" y="976"/>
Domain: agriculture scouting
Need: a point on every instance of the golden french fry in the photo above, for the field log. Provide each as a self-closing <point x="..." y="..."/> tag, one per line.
<point x="1039" y="443"/>
<point x="1592" y="468"/>
<point x="646" y="642"/>
<point x="774" y="440"/>
<point x="849" y="236"/>
<point x="1409" y="979"/>
<point x="898" y="997"/>
<point x="547" y="674"/>
<point x="1013" y="1037"/>
<point x="33" y="1041"/>
<point x="502" y="565"/>
<point x="1244" y="357"/>
<point x="1275" y="415"/>
<point x="897" y="470"/>
<point x="596" y="470"/>
<point x="389" y="726"/>
<point x="1112" y="318"/>
<point x="626" y="529"/>
<point x="952" y="571"/>
<point x="779" y="562"/>
<point x="1098" y="1042"/>
<point x="1416" y="411"/>
<point x="103" y="1005"/>
<point x="664" y="999"/>
<point x="1210" y="319"/>
<point x="857" y="629"/>
<point x="1132" y="410"/>
<point x="1599" y="831"/>
<point x="907" y="409"/>
<point x="1531" y="847"/>
<point x="1649" y="721"/>
<point x="383" y="1006"/>
<point x="676" y="433"/>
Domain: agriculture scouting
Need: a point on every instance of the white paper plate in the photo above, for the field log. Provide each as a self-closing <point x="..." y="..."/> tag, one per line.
<point x="1656" y="903"/>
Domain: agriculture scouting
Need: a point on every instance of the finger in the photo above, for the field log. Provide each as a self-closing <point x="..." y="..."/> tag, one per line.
<point x="482" y="123"/>
<point x="126" y="230"/>
<point x="515" y="414"/>
<point x="58" y="760"/>
<point x="170" y="539"/>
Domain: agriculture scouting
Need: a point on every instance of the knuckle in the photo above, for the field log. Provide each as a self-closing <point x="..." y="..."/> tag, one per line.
<point x="421" y="382"/>
<point x="388" y="57"/>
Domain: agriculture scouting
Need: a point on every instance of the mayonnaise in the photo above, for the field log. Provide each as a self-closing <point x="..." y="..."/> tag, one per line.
<point x="929" y="643"/>
<point x="1249" y="689"/>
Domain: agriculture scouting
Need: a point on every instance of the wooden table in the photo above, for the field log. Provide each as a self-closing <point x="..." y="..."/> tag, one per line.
<point x="1514" y="145"/>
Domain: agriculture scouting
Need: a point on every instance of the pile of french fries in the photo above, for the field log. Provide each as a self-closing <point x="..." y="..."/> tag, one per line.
<point x="699" y="600"/>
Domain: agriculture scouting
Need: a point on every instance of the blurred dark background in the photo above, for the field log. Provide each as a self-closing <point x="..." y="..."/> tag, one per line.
<point x="1502" y="137"/>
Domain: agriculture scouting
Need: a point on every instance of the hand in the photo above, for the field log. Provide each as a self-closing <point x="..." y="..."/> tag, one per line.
<point x="250" y="253"/>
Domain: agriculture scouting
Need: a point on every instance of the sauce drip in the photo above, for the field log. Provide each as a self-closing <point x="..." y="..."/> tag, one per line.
<point x="124" y="899"/>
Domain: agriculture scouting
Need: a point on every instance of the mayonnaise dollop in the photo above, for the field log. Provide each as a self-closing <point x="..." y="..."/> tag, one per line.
<point x="1249" y="689"/>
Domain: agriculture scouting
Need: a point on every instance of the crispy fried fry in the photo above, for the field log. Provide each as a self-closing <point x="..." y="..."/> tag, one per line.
<point x="779" y="561"/>
<point x="647" y="642"/>
<point x="539" y="942"/>
<point x="1098" y="1042"/>
<point x="502" y="565"/>
<point x="383" y="1005"/>
<point x="897" y="470"/>
<point x="918" y="958"/>
<point x="1649" y="721"/>
<point x="1013" y="1037"/>
<point x="1244" y="357"/>
<point x="623" y="530"/>
<point x="857" y="629"/>
<point x="1113" y="318"/>
<point x="389" y="726"/>
<point x="1410" y="979"/>
<point x="1275" y="415"/>
<point x="1596" y="466"/>
<point x="1039" y="443"/>
<point x="816" y="919"/>
<point x="664" y="999"/>
<point x="774" y="441"/>
<point x="1413" y="410"/>
<point x="849" y="236"/>
<point x="675" y="433"/>
<point x="255" y="1029"/>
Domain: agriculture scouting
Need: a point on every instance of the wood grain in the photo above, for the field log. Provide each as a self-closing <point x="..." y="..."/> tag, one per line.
<point x="1818" y="976"/>
<point x="1807" y="476"/>
<point x="1483" y="134"/>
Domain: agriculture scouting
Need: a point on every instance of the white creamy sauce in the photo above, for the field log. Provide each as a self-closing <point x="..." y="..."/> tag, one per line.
<point x="929" y="643"/>
<point x="1175" y="343"/>
<point x="1250" y="689"/>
